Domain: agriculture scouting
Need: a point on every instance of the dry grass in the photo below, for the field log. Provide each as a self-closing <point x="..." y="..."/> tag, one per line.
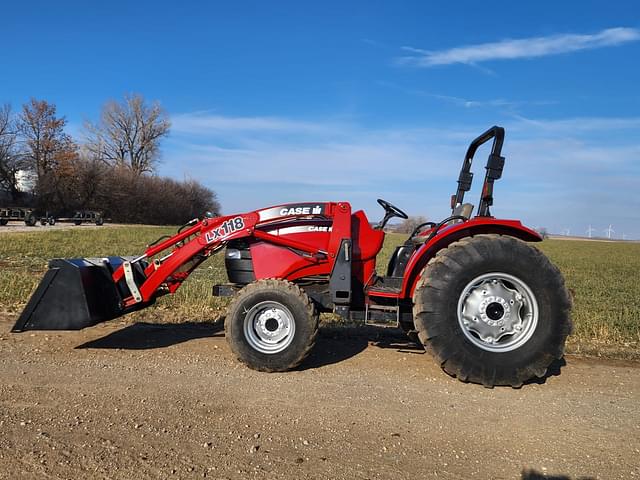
<point x="603" y="278"/>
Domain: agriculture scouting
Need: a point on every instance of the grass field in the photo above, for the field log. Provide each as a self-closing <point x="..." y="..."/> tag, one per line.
<point x="603" y="277"/>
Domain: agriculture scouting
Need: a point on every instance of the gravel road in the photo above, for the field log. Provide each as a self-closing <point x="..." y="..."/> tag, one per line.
<point x="14" y="227"/>
<point x="145" y="401"/>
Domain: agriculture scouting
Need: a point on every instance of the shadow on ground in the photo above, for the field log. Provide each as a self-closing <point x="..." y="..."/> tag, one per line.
<point x="552" y="371"/>
<point x="336" y="344"/>
<point x="143" y="335"/>
<point x="333" y="345"/>
<point x="533" y="475"/>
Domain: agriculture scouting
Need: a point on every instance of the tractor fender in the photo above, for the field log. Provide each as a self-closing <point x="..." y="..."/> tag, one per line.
<point x="447" y="235"/>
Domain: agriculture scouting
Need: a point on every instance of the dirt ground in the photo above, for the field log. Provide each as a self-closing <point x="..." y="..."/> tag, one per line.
<point x="145" y="401"/>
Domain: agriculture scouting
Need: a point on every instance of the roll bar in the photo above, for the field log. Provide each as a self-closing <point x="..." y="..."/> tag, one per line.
<point x="495" y="164"/>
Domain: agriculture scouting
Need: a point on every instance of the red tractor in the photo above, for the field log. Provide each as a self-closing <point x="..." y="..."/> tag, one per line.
<point x="482" y="300"/>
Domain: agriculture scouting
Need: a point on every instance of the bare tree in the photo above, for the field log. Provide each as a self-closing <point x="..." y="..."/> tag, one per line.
<point x="129" y="134"/>
<point x="45" y="148"/>
<point x="10" y="160"/>
<point x="43" y="135"/>
<point x="409" y="225"/>
<point x="543" y="231"/>
<point x="60" y="188"/>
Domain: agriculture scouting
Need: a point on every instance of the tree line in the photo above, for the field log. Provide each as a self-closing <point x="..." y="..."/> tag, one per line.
<point x="113" y="168"/>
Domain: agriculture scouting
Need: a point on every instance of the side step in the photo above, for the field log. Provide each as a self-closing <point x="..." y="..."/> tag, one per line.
<point x="386" y="287"/>
<point x="382" y="315"/>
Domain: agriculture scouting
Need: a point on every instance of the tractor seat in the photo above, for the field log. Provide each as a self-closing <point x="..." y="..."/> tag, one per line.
<point x="463" y="210"/>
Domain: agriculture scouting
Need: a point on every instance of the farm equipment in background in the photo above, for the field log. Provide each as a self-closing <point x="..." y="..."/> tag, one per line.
<point x="82" y="216"/>
<point x="486" y="304"/>
<point x="31" y="217"/>
<point x="87" y="216"/>
<point x="24" y="214"/>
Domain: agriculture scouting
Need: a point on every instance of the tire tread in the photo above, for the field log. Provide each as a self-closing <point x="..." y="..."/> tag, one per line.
<point x="432" y="299"/>
<point x="283" y="286"/>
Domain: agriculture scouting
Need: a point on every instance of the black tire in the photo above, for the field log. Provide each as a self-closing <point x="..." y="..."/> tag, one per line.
<point x="443" y="293"/>
<point x="99" y="221"/>
<point x="78" y="222"/>
<point x="43" y="221"/>
<point x="52" y="221"/>
<point x="4" y="221"/>
<point x="290" y="304"/>
<point x="30" y="221"/>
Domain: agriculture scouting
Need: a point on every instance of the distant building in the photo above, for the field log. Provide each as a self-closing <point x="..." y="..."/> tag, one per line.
<point x="25" y="180"/>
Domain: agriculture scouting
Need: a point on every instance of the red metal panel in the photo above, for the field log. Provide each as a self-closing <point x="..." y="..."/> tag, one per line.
<point x="367" y="243"/>
<point x="448" y="235"/>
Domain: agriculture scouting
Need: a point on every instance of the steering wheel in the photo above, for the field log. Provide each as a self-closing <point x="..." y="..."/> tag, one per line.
<point x="389" y="208"/>
<point x="390" y="212"/>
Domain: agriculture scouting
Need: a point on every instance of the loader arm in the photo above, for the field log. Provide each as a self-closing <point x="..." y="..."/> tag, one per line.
<point x="172" y="260"/>
<point x="80" y="292"/>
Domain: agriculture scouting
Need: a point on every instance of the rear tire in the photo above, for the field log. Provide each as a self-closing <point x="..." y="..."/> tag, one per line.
<point x="271" y="325"/>
<point x="52" y="221"/>
<point x="3" y="221"/>
<point x="30" y="220"/>
<point x="492" y="310"/>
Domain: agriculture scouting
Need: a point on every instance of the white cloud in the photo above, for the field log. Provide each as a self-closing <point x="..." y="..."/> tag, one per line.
<point x="574" y="126"/>
<point x="554" y="167"/>
<point x="465" y="102"/>
<point x="206" y="122"/>
<point x="521" y="48"/>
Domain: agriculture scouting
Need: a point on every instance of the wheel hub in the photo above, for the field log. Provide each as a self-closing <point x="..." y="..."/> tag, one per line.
<point x="269" y="327"/>
<point x="497" y="312"/>
<point x="272" y="323"/>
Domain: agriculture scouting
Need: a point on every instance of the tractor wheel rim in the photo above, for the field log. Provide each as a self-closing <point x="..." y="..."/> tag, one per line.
<point x="497" y="312"/>
<point x="269" y="327"/>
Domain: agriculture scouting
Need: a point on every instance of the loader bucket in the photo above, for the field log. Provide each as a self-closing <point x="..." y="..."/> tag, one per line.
<point x="74" y="294"/>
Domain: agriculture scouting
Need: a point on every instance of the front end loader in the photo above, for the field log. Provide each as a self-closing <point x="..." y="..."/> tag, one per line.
<point x="490" y="307"/>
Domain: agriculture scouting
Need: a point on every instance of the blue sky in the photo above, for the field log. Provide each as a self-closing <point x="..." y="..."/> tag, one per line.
<point x="274" y="102"/>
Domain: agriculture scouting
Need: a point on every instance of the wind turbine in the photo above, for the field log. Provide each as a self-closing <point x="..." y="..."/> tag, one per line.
<point x="590" y="230"/>
<point x="609" y="231"/>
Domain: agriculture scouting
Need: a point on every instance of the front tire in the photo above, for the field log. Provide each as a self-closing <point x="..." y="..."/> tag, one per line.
<point x="271" y="325"/>
<point x="492" y="310"/>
